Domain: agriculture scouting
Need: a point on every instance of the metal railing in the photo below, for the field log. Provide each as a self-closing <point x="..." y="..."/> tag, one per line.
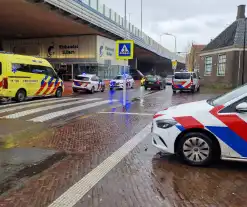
<point x="105" y="18"/>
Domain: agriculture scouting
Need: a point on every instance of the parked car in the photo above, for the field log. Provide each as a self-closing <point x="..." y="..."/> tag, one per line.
<point x="169" y="79"/>
<point x="204" y="131"/>
<point x="88" y="82"/>
<point x="186" y="81"/>
<point x="154" y="82"/>
<point x="118" y="82"/>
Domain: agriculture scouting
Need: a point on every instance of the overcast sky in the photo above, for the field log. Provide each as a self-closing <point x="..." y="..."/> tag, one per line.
<point x="190" y="20"/>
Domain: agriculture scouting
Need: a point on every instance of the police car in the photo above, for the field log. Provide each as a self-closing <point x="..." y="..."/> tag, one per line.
<point x="118" y="82"/>
<point x="204" y="131"/>
<point x="88" y="82"/>
<point x="185" y="81"/>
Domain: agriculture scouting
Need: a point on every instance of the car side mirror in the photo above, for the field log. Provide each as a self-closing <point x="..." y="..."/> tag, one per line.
<point x="242" y="107"/>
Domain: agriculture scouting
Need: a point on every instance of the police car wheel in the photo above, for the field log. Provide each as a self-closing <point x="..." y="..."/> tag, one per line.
<point x="59" y="93"/>
<point x="20" y="95"/>
<point x="92" y="90"/>
<point x="196" y="149"/>
<point x="75" y="90"/>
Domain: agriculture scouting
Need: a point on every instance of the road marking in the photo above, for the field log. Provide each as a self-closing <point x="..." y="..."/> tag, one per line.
<point x="46" y="108"/>
<point x="44" y="102"/>
<point x="53" y="115"/>
<point x="26" y="102"/>
<point x="76" y="192"/>
<point x="139" y="114"/>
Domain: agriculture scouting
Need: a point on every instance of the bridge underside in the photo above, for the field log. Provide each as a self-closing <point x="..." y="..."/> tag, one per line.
<point x="24" y="19"/>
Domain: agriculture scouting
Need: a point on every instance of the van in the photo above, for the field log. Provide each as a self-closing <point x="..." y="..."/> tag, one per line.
<point x="185" y="81"/>
<point x="26" y="76"/>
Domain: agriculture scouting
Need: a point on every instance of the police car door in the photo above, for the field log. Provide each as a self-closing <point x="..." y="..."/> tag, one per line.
<point x="95" y="83"/>
<point x="233" y="129"/>
<point x="99" y="83"/>
<point x="195" y="80"/>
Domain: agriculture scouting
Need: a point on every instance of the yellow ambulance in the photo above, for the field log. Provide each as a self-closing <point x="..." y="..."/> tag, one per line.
<point x="26" y="76"/>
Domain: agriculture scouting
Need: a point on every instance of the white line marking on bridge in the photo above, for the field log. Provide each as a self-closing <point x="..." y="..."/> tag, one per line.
<point x="46" y="108"/>
<point x="44" y="102"/>
<point x="76" y="192"/>
<point x="125" y="113"/>
<point x="56" y="114"/>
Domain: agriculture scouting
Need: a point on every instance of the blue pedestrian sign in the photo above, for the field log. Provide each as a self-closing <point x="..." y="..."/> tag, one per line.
<point x="125" y="49"/>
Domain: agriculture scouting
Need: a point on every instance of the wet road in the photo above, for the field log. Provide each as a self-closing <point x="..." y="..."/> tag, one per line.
<point x="84" y="148"/>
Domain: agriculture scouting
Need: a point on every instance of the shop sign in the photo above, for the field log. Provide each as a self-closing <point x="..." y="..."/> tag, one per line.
<point x="68" y="49"/>
<point x="109" y="51"/>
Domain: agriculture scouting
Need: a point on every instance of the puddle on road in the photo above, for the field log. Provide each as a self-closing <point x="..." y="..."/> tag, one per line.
<point x="14" y="171"/>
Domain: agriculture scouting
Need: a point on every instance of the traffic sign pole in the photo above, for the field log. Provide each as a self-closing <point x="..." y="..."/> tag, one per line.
<point x="125" y="37"/>
<point x="124" y="88"/>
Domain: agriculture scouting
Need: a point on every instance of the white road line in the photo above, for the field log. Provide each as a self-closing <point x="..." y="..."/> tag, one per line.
<point x="46" y="108"/>
<point x="139" y="114"/>
<point x="26" y="102"/>
<point x="68" y="111"/>
<point x="76" y="192"/>
<point x="44" y="102"/>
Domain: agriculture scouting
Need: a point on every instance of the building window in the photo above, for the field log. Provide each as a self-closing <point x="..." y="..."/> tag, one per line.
<point x="221" y="69"/>
<point x="208" y="66"/>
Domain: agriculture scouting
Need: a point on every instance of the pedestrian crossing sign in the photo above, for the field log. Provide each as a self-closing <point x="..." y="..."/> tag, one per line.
<point x="124" y="49"/>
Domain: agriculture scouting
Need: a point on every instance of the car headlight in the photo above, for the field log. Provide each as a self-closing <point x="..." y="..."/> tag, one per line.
<point x="165" y="123"/>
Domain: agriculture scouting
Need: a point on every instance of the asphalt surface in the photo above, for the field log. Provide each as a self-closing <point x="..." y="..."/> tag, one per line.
<point x="144" y="177"/>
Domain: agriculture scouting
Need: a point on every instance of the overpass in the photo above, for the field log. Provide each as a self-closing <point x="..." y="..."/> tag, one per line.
<point x="38" y="19"/>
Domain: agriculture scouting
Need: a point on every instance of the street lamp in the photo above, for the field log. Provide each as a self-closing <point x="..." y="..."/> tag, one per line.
<point x="175" y="38"/>
<point x="244" y="47"/>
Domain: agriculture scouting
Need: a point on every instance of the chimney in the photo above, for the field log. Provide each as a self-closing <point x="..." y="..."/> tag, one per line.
<point x="241" y="12"/>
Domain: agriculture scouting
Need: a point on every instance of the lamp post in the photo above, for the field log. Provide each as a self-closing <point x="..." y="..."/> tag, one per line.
<point x="175" y="40"/>
<point x="175" y="43"/>
<point x="244" y="47"/>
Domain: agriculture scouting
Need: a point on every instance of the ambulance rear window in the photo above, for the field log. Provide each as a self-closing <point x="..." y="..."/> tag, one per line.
<point x="0" y="68"/>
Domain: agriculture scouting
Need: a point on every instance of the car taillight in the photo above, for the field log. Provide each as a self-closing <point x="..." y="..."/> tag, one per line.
<point x="5" y="83"/>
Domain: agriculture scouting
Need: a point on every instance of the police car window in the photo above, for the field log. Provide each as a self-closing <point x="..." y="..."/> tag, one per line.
<point x="182" y="76"/>
<point x="20" y="67"/>
<point x="0" y="68"/>
<point x="119" y="77"/>
<point x="82" y="78"/>
<point x="223" y="99"/>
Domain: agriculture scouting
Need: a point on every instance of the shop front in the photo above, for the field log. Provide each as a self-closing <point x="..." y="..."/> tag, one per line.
<point x="71" y="56"/>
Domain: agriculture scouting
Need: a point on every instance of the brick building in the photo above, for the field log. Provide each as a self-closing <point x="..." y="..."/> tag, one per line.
<point x="193" y="58"/>
<point x="223" y="61"/>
